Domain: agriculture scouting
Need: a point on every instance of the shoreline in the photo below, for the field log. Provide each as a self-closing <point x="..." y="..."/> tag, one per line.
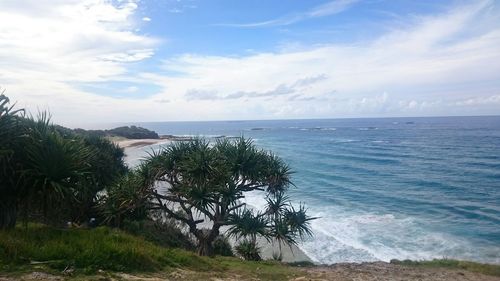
<point x="130" y="143"/>
<point x="133" y="143"/>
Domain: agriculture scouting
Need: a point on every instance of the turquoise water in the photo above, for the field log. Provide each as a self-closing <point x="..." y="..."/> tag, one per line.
<point x="416" y="188"/>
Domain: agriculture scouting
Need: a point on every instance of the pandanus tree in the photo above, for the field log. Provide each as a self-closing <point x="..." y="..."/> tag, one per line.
<point x="204" y="184"/>
<point x="48" y="172"/>
<point x="11" y="135"/>
<point x="55" y="171"/>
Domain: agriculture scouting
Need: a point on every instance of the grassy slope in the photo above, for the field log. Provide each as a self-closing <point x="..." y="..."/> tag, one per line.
<point x="52" y="250"/>
<point x="43" y="248"/>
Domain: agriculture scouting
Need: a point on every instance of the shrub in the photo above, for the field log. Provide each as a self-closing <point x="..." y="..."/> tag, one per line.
<point x="164" y="233"/>
<point x="249" y="250"/>
<point x="222" y="247"/>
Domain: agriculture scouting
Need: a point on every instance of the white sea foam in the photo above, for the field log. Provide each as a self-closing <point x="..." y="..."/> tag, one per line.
<point x="317" y="129"/>
<point x="343" y="140"/>
<point x="342" y="236"/>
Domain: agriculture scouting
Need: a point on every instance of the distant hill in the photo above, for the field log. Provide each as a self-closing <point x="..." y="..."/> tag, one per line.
<point x="129" y="132"/>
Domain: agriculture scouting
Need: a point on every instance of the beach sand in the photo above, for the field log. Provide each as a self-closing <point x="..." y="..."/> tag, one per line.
<point x="127" y="143"/>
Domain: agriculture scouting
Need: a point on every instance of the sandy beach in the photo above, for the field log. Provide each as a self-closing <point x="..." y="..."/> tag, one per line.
<point x="127" y="143"/>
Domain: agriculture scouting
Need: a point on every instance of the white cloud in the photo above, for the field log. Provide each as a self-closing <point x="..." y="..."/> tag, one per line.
<point x="326" y="9"/>
<point x="489" y="100"/>
<point x="46" y="47"/>
<point x="447" y="64"/>
<point x="330" y="8"/>
<point x="146" y="19"/>
<point x="424" y="69"/>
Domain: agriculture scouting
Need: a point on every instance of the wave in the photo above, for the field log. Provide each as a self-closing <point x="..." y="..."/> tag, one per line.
<point x="342" y="236"/>
<point x="318" y="129"/>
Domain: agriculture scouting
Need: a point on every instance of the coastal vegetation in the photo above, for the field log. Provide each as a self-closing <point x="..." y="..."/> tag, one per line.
<point x="190" y="189"/>
<point x="129" y="132"/>
<point x="51" y="176"/>
<point x="108" y="252"/>
<point x="70" y="206"/>
<point x="211" y="179"/>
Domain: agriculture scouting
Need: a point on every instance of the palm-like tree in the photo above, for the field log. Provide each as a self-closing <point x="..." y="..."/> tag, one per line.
<point x="11" y="134"/>
<point x="55" y="170"/>
<point x="124" y="200"/>
<point x="106" y="168"/>
<point x="198" y="181"/>
<point x="50" y="172"/>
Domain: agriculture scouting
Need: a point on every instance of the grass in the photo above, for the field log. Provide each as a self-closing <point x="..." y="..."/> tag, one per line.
<point x="488" y="269"/>
<point x="88" y="251"/>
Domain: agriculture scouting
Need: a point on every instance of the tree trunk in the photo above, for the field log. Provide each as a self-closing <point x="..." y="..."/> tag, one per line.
<point x="8" y="213"/>
<point x="205" y="247"/>
<point x="206" y="240"/>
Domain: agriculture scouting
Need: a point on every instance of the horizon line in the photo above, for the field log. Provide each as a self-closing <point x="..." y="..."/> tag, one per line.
<point x="290" y="119"/>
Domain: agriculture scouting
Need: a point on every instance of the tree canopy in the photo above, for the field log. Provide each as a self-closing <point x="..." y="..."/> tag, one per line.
<point x="203" y="184"/>
<point x="51" y="172"/>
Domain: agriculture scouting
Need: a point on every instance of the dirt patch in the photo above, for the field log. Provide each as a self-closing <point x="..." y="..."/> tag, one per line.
<point x="377" y="271"/>
<point x="381" y="271"/>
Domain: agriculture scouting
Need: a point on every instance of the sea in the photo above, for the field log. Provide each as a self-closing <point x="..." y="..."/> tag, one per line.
<point x="381" y="188"/>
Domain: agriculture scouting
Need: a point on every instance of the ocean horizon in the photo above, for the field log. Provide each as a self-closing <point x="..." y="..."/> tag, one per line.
<point x="382" y="188"/>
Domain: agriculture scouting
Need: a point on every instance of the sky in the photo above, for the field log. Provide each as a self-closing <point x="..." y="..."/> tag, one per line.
<point x="96" y="61"/>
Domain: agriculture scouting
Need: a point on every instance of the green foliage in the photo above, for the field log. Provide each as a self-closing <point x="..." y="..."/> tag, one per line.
<point x="164" y="233"/>
<point x="87" y="251"/>
<point x="54" y="169"/>
<point x="90" y="250"/>
<point x="132" y="132"/>
<point x="489" y="269"/>
<point x="245" y="224"/>
<point x="106" y="167"/>
<point x="50" y="171"/>
<point x="126" y="199"/>
<point x="212" y="178"/>
<point x="11" y="138"/>
<point x="249" y="250"/>
<point x="222" y="247"/>
<point x="107" y="163"/>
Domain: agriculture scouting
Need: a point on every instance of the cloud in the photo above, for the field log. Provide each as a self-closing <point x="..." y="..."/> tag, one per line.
<point x="330" y="8"/>
<point x="146" y="19"/>
<point x="489" y="100"/>
<point x="201" y="95"/>
<point x="279" y="90"/>
<point x="47" y="48"/>
<point x="443" y="64"/>
<point x="327" y="9"/>
<point x="428" y="68"/>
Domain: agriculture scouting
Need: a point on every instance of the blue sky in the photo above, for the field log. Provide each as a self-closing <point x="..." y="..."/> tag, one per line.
<point x="91" y="61"/>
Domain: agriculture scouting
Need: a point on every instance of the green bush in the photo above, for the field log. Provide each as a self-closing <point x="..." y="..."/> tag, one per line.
<point x="166" y="234"/>
<point x="249" y="250"/>
<point x="222" y="247"/>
